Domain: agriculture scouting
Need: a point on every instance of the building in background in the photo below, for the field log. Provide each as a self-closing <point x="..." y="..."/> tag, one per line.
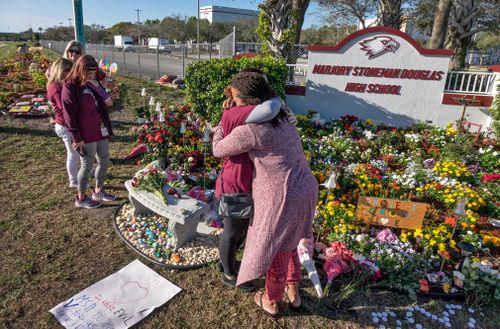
<point x="218" y="14"/>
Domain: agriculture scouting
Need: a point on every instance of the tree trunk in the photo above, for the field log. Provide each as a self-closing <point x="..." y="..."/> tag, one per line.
<point x="389" y="13"/>
<point x="440" y="25"/>
<point x="462" y="17"/>
<point x="285" y="19"/>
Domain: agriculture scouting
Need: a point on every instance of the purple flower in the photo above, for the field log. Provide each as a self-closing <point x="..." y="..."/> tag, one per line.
<point x="429" y="163"/>
<point x="475" y="168"/>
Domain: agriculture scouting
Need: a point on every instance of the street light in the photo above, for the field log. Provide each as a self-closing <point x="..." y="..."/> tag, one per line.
<point x="138" y="26"/>
<point x="198" y="30"/>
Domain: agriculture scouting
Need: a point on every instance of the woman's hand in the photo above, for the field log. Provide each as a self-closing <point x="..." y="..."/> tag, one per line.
<point x="228" y="103"/>
<point x="78" y="146"/>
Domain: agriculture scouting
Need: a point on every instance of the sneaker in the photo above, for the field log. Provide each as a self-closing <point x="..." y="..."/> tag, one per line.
<point x="87" y="203"/>
<point x="73" y="185"/>
<point x="103" y="196"/>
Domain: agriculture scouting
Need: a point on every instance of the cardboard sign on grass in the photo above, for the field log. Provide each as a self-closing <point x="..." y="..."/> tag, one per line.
<point x="117" y="301"/>
<point x="391" y="213"/>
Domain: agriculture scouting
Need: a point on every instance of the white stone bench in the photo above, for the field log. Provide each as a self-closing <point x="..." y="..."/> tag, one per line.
<point x="183" y="214"/>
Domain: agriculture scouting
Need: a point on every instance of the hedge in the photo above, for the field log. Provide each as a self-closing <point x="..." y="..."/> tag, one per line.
<point x="206" y="80"/>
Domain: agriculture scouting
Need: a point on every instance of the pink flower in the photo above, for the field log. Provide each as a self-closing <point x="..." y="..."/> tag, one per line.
<point x="386" y="235"/>
<point x="337" y="259"/>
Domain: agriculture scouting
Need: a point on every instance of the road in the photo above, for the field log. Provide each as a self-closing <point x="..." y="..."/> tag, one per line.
<point x="151" y="66"/>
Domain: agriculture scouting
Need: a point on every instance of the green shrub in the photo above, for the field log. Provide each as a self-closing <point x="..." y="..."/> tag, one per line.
<point x="495" y="115"/>
<point x="206" y="80"/>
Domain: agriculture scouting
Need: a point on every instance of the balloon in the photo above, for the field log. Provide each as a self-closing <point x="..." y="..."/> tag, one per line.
<point x="330" y="182"/>
<point x="113" y="68"/>
<point x="104" y="64"/>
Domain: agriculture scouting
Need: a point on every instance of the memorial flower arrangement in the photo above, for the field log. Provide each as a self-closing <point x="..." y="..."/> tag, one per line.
<point x="422" y="163"/>
<point x="151" y="181"/>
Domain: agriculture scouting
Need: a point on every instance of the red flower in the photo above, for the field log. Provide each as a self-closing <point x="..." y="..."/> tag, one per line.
<point x="158" y="137"/>
<point x="450" y="220"/>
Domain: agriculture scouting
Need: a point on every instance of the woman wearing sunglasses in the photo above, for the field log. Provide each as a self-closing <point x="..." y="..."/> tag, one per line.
<point x="88" y="122"/>
<point x="74" y="49"/>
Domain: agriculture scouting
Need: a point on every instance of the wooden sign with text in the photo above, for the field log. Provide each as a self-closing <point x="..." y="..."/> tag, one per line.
<point x="391" y="213"/>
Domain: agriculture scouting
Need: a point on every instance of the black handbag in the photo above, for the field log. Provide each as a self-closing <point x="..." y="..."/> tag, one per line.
<point x="235" y="205"/>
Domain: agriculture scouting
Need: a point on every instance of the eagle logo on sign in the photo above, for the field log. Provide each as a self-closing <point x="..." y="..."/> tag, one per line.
<point x="377" y="46"/>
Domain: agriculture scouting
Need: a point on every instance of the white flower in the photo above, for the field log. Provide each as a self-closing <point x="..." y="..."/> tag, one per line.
<point x="481" y="150"/>
<point x="458" y="275"/>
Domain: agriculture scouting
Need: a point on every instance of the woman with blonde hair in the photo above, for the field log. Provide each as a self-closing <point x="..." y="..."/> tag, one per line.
<point x="59" y="70"/>
<point x="73" y="50"/>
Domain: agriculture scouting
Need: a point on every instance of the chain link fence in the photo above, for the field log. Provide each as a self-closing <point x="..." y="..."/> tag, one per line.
<point x="152" y="62"/>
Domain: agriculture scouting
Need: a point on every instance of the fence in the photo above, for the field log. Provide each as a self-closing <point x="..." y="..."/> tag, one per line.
<point x="146" y="61"/>
<point x="470" y="82"/>
<point x="152" y="62"/>
<point x="297" y="74"/>
<point x="491" y="57"/>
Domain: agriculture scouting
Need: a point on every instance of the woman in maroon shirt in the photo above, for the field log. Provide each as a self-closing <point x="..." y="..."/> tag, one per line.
<point x="89" y="125"/>
<point x="59" y="70"/>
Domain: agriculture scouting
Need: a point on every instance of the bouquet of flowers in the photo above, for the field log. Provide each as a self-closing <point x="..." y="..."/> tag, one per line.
<point x="151" y="181"/>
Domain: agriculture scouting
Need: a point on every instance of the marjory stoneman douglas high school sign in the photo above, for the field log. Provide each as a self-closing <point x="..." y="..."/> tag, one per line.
<point x="379" y="73"/>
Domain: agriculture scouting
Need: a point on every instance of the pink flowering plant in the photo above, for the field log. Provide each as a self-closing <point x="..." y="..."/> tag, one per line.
<point x="338" y="260"/>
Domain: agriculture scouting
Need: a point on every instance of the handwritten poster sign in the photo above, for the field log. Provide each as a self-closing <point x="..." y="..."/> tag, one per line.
<point x="391" y="213"/>
<point x="118" y="301"/>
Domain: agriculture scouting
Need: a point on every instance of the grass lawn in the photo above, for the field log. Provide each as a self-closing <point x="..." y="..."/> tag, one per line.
<point x="51" y="250"/>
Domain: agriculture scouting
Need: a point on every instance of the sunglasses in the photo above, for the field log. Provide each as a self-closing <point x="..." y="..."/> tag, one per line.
<point x="91" y="68"/>
<point x="74" y="51"/>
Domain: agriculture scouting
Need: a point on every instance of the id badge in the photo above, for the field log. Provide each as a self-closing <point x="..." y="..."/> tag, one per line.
<point x="104" y="132"/>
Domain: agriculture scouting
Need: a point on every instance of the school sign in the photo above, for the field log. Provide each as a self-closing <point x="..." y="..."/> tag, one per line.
<point x="379" y="73"/>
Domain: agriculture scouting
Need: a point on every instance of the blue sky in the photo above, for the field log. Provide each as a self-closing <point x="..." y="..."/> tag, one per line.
<point x="19" y="15"/>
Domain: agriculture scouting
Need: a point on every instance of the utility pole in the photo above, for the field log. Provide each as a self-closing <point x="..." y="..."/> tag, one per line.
<point x="198" y="30"/>
<point x="138" y="26"/>
<point x="69" y="21"/>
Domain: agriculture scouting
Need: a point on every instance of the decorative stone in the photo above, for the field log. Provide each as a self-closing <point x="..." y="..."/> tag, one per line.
<point x="150" y="236"/>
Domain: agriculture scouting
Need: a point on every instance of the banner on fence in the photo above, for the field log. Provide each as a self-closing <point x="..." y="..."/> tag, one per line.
<point x="391" y="213"/>
<point x="118" y="301"/>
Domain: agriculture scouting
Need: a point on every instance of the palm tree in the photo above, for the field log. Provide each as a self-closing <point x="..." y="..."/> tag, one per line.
<point x="440" y="25"/>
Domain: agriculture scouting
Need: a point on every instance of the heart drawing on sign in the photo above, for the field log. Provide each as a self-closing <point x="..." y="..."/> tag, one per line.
<point x="384" y="220"/>
<point x="130" y="292"/>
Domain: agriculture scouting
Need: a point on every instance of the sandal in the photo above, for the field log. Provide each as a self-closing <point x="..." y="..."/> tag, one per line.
<point x="291" y="306"/>
<point x="258" y="301"/>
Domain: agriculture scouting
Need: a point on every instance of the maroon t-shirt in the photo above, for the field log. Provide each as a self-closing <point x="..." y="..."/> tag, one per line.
<point x="54" y="96"/>
<point x="237" y="172"/>
<point x="84" y="113"/>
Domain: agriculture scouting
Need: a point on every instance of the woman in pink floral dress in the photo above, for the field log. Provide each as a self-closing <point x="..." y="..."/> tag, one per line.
<point x="285" y="194"/>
